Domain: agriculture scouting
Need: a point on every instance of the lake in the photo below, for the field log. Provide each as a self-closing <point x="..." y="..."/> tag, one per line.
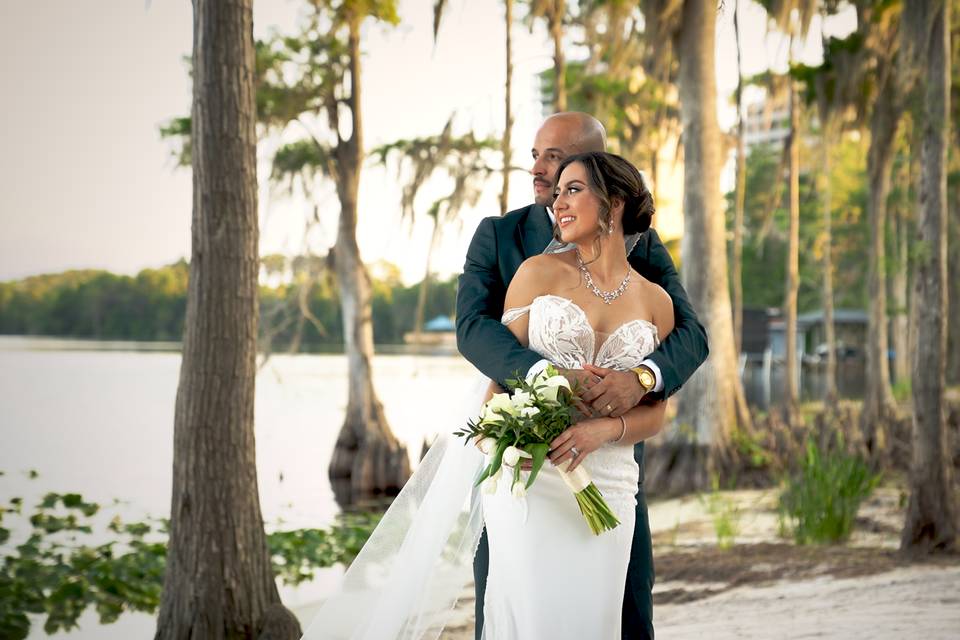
<point x="97" y="419"/>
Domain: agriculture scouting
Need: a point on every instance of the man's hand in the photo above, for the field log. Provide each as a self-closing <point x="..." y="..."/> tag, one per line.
<point x="616" y="392"/>
<point x="580" y="381"/>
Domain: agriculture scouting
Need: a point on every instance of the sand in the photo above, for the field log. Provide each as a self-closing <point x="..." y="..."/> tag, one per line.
<point x="765" y="587"/>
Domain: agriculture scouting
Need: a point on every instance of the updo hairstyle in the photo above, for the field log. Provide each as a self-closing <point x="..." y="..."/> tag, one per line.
<point x="611" y="176"/>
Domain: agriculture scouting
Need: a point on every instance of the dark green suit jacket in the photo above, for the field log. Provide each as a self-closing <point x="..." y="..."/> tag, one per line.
<point x="498" y="247"/>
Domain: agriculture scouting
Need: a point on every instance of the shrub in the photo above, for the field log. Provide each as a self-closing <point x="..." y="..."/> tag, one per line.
<point x="819" y="503"/>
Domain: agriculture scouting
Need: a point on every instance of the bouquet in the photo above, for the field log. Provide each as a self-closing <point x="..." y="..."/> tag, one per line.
<point x="522" y="424"/>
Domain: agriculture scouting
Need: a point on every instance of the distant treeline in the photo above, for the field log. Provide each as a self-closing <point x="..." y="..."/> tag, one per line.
<point x="152" y="306"/>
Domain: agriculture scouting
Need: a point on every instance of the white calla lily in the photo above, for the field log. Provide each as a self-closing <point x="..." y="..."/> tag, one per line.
<point x="521" y="400"/>
<point x="500" y="402"/>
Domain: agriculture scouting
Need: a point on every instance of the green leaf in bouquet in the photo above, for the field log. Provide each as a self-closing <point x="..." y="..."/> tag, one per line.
<point x="495" y="462"/>
<point x="539" y="452"/>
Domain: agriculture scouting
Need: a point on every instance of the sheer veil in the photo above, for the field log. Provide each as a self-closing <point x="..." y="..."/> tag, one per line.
<point x="407" y="579"/>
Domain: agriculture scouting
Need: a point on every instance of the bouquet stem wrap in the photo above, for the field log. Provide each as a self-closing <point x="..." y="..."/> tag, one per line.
<point x="594" y="508"/>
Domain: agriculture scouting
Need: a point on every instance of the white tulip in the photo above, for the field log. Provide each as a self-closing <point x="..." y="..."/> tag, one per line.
<point x="511" y="456"/>
<point x="487" y="445"/>
<point x="490" y="486"/>
<point x="519" y="490"/>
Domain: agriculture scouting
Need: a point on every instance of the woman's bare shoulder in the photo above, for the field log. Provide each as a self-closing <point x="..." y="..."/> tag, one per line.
<point x="545" y="265"/>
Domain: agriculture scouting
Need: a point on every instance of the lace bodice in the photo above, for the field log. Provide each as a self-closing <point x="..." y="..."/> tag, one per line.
<point x="560" y="331"/>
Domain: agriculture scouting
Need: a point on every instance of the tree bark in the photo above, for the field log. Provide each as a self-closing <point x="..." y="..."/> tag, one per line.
<point x="713" y="397"/>
<point x="931" y="523"/>
<point x="559" y="79"/>
<point x="425" y="284"/>
<point x="739" y="198"/>
<point x="792" y="391"/>
<point x="878" y="404"/>
<point x="219" y="581"/>
<point x="368" y="460"/>
<point x="508" y="117"/>
<point x="901" y="318"/>
<point x="830" y="386"/>
<point x="953" y="297"/>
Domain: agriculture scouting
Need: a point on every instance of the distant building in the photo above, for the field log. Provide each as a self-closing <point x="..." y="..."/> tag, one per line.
<point x="850" y="330"/>
<point x="766" y="123"/>
<point x="437" y="332"/>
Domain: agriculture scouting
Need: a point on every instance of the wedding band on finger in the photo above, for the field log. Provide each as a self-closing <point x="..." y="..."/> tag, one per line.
<point x="574" y="451"/>
<point x="609" y="408"/>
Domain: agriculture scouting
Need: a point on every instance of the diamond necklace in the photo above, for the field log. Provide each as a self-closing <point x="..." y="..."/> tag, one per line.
<point x="607" y="296"/>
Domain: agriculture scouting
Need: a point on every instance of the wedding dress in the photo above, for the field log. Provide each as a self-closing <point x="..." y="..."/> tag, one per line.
<point x="549" y="576"/>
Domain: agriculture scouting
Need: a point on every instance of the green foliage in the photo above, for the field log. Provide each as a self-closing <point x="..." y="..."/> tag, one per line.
<point x="724" y="514"/>
<point x="766" y="220"/>
<point x="902" y="390"/>
<point x="152" y="306"/>
<point x="57" y="572"/>
<point x="97" y="304"/>
<point x="749" y="446"/>
<point x="820" y="502"/>
<point x="51" y="573"/>
<point x="298" y="553"/>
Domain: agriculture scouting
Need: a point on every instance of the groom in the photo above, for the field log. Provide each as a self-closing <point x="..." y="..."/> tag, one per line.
<point x="498" y="247"/>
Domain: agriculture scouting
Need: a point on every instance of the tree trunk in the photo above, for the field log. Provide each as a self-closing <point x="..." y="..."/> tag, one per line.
<point x="791" y="394"/>
<point x="425" y="284"/>
<point x="367" y="460"/>
<point x="931" y="523"/>
<point x="953" y="297"/>
<point x="740" y="197"/>
<point x="219" y="581"/>
<point x="878" y="404"/>
<point x="559" y="79"/>
<point x="508" y="117"/>
<point x="830" y="384"/>
<point x="901" y="362"/>
<point x="713" y="397"/>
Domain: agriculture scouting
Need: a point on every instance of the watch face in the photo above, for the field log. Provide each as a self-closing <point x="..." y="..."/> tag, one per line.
<point x="646" y="379"/>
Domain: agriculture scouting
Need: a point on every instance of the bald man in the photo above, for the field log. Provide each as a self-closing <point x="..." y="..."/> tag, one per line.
<point x="498" y="247"/>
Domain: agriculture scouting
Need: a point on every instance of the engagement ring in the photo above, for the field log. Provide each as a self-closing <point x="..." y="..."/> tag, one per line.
<point x="574" y="451"/>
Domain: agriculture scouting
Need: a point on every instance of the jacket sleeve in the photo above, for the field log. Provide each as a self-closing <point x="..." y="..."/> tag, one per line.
<point x="685" y="349"/>
<point x="482" y="340"/>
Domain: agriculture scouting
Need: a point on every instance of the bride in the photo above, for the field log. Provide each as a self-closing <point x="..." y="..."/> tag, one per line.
<point x="580" y="303"/>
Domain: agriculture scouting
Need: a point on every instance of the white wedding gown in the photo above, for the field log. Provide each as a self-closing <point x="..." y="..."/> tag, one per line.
<point x="549" y="575"/>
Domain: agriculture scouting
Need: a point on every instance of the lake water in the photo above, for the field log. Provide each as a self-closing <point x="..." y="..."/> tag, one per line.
<point x="97" y="419"/>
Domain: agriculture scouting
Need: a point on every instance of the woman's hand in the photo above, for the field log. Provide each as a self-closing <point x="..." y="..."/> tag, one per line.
<point x="587" y="436"/>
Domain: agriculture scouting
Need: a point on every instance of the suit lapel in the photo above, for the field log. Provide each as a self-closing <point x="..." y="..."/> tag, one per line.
<point x="535" y="232"/>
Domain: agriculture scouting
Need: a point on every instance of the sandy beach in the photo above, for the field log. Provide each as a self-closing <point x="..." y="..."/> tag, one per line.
<point x="765" y="587"/>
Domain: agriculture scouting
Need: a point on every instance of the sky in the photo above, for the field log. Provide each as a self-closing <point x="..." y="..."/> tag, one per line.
<point x="89" y="183"/>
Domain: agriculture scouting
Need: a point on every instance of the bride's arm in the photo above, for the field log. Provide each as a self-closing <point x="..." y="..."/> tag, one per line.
<point x="641" y="422"/>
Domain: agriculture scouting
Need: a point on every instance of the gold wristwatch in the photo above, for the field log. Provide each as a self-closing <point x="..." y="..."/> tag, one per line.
<point x="647" y="380"/>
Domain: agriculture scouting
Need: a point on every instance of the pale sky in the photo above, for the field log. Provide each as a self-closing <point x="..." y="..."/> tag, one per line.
<point x="88" y="183"/>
